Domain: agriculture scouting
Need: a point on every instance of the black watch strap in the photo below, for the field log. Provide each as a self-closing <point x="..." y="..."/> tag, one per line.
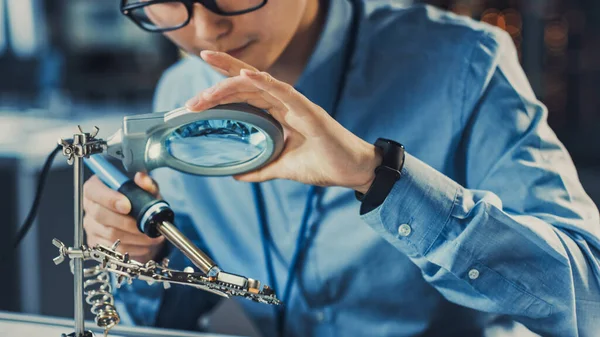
<point x="386" y="175"/>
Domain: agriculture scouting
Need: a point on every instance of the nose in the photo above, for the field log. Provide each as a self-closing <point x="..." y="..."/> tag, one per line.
<point x="210" y="26"/>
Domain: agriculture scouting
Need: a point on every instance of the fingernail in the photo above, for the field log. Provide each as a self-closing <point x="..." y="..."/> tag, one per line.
<point x="193" y="101"/>
<point x="149" y="182"/>
<point x="207" y="53"/>
<point x="250" y="73"/>
<point x="123" y="205"/>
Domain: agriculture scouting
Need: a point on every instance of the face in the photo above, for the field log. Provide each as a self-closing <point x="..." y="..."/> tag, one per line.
<point x="257" y="38"/>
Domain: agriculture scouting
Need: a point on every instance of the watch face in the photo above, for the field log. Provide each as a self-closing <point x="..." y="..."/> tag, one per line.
<point x="393" y="153"/>
<point x="385" y="141"/>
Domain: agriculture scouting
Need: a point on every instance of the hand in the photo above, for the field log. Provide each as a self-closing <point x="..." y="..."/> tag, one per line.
<point x="106" y="219"/>
<point x="318" y="150"/>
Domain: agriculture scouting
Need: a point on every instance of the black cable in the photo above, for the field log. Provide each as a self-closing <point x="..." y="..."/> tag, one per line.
<point x="38" y="195"/>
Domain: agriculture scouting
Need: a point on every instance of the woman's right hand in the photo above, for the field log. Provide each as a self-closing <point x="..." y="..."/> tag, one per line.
<point x="106" y="219"/>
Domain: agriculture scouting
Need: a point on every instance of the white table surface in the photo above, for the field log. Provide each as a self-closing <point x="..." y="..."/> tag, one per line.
<point x="17" y="325"/>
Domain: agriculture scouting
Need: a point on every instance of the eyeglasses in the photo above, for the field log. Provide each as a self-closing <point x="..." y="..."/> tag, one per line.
<point x="168" y="15"/>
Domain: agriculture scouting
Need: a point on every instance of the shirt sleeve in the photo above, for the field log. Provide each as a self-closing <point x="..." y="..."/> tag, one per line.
<point x="518" y="235"/>
<point x="178" y="307"/>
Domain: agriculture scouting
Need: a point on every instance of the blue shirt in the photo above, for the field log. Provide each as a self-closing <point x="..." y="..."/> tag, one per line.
<point x="488" y="229"/>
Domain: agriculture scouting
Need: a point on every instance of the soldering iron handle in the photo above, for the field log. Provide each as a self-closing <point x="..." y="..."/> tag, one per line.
<point x="153" y="216"/>
<point x="145" y="208"/>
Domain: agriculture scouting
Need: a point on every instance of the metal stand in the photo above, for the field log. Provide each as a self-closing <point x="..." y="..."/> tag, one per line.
<point x="211" y="279"/>
<point x="82" y="145"/>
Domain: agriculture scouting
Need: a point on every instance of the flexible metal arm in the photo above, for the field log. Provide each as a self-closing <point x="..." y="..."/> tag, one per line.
<point x="224" y="284"/>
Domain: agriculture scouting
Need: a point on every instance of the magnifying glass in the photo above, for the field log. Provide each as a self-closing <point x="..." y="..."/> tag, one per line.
<point x="225" y="140"/>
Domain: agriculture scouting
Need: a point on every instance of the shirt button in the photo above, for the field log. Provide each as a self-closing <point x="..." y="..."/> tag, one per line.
<point x="319" y="316"/>
<point x="404" y="230"/>
<point x="473" y="274"/>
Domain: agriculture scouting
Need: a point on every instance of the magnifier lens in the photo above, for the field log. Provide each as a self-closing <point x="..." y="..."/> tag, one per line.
<point x="216" y="143"/>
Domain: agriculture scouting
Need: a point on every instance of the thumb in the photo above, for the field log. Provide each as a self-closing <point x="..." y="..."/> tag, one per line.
<point x="256" y="176"/>
<point x="144" y="181"/>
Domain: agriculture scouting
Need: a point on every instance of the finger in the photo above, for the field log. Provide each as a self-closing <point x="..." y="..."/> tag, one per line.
<point x="146" y="182"/>
<point x="225" y="62"/>
<point x="134" y="251"/>
<point x="203" y="100"/>
<point x="109" y="218"/>
<point x="209" y="97"/>
<point x="96" y="191"/>
<point x="235" y="90"/>
<point x="256" y="176"/>
<point x="256" y="99"/>
<point x="284" y="92"/>
<point x="268" y="172"/>
<point x="236" y="85"/>
<point x="96" y="229"/>
<point x="134" y="248"/>
<point x="251" y="98"/>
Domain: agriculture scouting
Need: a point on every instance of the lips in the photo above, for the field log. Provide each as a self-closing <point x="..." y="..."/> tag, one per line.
<point x="237" y="52"/>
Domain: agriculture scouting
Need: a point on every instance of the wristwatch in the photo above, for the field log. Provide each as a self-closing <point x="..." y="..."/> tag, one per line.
<point x="386" y="175"/>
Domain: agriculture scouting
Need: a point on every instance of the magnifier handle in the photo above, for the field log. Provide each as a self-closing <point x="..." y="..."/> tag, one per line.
<point x="145" y="208"/>
<point x="106" y="171"/>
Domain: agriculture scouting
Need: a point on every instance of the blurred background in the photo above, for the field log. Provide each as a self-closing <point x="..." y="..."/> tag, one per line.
<point x="69" y="62"/>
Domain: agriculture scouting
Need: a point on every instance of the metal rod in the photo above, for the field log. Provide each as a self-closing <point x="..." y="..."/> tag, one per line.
<point x="189" y="249"/>
<point x="78" y="240"/>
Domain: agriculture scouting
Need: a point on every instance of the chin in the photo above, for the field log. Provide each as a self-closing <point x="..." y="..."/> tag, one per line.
<point x="259" y="61"/>
<point x="252" y="60"/>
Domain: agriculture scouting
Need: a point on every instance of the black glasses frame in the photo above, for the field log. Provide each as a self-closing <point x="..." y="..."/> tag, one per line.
<point x="211" y="5"/>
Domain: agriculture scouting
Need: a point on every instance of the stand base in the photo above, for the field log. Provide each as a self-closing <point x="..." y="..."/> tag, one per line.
<point x="85" y="334"/>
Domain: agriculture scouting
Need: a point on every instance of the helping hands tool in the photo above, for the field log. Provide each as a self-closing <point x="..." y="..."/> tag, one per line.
<point x="230" y="124"/>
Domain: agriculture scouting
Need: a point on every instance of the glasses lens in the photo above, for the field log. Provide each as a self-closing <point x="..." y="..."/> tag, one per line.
<point x="216" y="143"/>
<point x="162" y="15"/>
<point x="234" y="6"/>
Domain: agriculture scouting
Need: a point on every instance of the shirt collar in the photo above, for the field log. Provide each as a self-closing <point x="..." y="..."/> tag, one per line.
<point x="321" y="77"/>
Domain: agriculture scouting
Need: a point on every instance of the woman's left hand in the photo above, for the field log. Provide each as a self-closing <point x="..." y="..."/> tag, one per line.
<point x="318" y="150"/>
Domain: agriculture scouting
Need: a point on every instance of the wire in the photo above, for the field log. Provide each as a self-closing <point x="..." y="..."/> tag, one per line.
<point x="302" y="242"/>
<point x="265" y="233"/>
<point x="36" y="202"/>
